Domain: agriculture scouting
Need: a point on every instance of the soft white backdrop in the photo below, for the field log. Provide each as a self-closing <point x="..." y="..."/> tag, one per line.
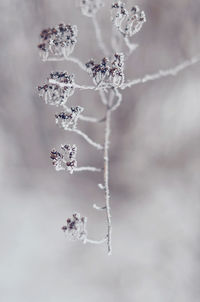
<point x="155" y="164"/>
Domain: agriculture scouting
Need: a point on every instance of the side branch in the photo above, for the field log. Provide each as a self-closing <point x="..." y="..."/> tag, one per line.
<point x="163" y="73"/>
<point x="94" y="241"/>
<point x="92" y="169"/>
<point x="65" y="58"/>
<point x="87" y="138"/>
<point x="118" y="101"/>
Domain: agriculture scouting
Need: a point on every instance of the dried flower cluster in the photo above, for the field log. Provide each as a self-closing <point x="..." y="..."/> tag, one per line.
<point x="127" y="22"/>
<point x="107" y="73"/>
<point x="90" y="7"/>
<point x="53" y="92"/>
<point x="65" y="160"/>
<point x="76" y="227"/>
<point x="108" y="79"/>
<point x="58" y="41"/>
<point x="68" y="120"/>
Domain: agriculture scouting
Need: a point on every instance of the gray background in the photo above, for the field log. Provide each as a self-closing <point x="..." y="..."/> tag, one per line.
<point x="154" y="157"/>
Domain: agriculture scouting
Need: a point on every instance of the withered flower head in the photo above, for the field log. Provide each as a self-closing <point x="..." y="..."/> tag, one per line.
<point x="76" y="227"/>
<point x="107" y="73"/>
<point x="65" y="160"/>
<point x="58" y="41"/>
<point x="68" y="120"/>
<point x="127" y="22"/>
<point x="59" y="88"/>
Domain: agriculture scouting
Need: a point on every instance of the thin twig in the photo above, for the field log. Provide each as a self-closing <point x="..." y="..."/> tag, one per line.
<point x="92" y="169"/>
<point x="65" y="58"/>
<point x="106" y="179"/>
<point x="76" y="61"/>
<point x="131" y="46"/>
<point x="95" y="241"/>
<point x="119" y="100"/>
<point x="86" y="137"/>
<point x="103" y="96"/>
<point x="99" y="208"/>
<point x="91" y="119"/>
<point x="163" y="73"/>
<point x="85" y="118"/>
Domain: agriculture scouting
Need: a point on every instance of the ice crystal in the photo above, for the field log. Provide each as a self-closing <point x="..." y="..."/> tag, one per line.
<point x="68" y="120"/>
<point x="107" y="73"/>
<point x="90" y="7"/>
<point x="127" y="22"/>
<point x="65" y="160"/>
<point x="57" y="41"/>
<point x="55" y="94"/>
<point x="76" y="227"/>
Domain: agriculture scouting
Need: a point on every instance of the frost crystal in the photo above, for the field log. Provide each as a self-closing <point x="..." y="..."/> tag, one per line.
<point x="90" y="7"/>
<point x="107" y="73"/>
<point x="55" y="94"/>
<point x="128" y="23"/>
<point x="58" y="41"/>
<point x="76" y="227"/>
<point x="65" y="160"/>
<point x="67" y="120"/>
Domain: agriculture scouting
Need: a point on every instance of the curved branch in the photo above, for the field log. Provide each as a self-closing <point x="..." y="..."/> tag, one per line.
<point x="163" y="73"/>
<point x="87" y="138"/>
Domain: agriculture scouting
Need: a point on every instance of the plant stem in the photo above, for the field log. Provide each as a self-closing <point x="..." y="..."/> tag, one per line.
<point x="106" y="178"/>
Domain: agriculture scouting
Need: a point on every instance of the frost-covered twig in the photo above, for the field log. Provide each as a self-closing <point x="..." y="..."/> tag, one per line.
<point x="99" y="208"/>
<point x="87" y="138"/>
<point x="118" y="101"/>
<point x="92" y="169"/>
<point x="65" y="58"/>
<point x="163" y="73"/>
<point x="131" y="46"/>
<point x="95" y="241"/>
<point x="106" y="179"/>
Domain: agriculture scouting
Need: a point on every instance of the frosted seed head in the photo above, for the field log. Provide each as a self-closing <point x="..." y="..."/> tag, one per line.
<point x="107" y="72"/>
<point x="75" y="227"/>
<point x="65" y="160"/>
<point x="68" y="120"/>
<point x="58" y="41"/>
<point x="55" y="92"/>
<point x="127" y="22"/>
<point x="90" y="7"/>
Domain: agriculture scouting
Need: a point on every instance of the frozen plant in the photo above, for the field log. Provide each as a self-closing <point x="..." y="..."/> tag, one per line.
<point x="109" y="81"/>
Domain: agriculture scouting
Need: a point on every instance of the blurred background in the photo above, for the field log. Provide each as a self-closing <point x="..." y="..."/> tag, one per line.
<point x="154" y="161"/>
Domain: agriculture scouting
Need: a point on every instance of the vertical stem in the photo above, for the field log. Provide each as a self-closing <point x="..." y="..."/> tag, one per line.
<point x="106" y="179"/>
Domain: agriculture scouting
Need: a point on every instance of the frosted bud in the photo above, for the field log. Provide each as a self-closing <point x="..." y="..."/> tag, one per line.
<point x="58" y="41"/>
